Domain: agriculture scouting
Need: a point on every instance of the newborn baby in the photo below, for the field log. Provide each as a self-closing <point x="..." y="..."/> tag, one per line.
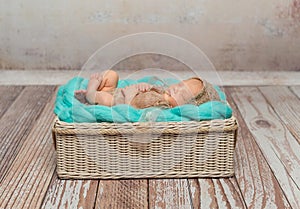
<point x="102" y="89"/>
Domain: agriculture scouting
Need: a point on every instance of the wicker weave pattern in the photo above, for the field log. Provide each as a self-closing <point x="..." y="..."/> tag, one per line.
<point x="145" y="150"/>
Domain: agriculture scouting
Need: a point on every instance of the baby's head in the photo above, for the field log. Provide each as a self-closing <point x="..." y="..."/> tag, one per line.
<point x="181" y="93"/>
<point x="152" y="98"/>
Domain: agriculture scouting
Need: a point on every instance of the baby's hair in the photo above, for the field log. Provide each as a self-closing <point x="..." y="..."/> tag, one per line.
<point x="152" y="98"/>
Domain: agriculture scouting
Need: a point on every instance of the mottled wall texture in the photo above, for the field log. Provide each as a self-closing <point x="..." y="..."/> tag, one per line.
<point x="236" y="35"/>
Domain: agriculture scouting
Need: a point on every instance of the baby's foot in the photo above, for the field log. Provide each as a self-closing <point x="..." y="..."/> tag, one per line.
<point x="94" y="82"/>
<point x="96" y="76"/>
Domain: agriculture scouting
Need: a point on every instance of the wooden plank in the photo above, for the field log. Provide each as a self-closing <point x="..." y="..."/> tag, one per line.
<point x="256" y="180"/>
<point x="71" y="194"/>
<point x="216" y="193"/>
<point x="65" y="193"/>
<point x="8" y="95"/>
<point x="195" y="193"/>
<point x="286" y="105"/>
<point x="296" y="90"/>
<point x="278" y="146"/>
<point x="18" y="120"/>
<point x="169" y="193"/>
<point x="27" y="180"/>
<point x="122" y="194"/>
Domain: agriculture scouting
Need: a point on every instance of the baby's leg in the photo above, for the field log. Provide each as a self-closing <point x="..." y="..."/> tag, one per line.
<point x="95" y="82"/>
<point x="109" y="80"/>
<point x="105" y="81"/>
<point x="103" y="98"/>
<point x="101" y="82"/>
<point x="97" y="97"/>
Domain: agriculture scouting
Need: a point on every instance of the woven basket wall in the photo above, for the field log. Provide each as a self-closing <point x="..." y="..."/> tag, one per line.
<point x="145" y="150"/>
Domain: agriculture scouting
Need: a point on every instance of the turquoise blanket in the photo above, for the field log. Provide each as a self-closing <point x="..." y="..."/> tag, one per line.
<point x="69" y="109"/>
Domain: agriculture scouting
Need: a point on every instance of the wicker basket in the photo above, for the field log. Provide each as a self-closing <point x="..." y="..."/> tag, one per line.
<point x="145" y="150"/>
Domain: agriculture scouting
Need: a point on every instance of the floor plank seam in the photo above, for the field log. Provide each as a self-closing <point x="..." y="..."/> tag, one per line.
<point x="190" y="194"/>
<point x="148" y="194"/>
<point x="40" y="181"/>
<point x="241" y="194"/>
<point x="97" y="193"/>
<point x="292" y="90"/>
<point x="286" y="197"/>
<point x="48" y="188"/>
<point x="54" y="176"/>
<point x="285" y="169"/>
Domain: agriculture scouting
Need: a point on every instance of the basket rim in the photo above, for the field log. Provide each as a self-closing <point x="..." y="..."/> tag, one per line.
<point x="216" y="125"/>
<point x="232" y="118"/>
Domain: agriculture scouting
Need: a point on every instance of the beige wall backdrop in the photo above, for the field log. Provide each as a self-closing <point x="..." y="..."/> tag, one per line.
<point x="236" y="35"/>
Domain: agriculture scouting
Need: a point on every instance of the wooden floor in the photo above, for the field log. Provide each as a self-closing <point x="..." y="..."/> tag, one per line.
<point x="267" y="159"/>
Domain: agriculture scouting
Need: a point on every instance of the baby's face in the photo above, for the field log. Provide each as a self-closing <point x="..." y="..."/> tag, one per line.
<point x="179" y="94"/>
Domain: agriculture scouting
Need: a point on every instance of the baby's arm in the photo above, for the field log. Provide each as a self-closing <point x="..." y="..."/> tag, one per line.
<point x="133" y="90"/>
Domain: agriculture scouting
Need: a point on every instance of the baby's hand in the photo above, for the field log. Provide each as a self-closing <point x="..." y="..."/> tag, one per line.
<point x="81" y="95"/>
<point x="81" y="91"/>
<point x="143" y="87"/>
